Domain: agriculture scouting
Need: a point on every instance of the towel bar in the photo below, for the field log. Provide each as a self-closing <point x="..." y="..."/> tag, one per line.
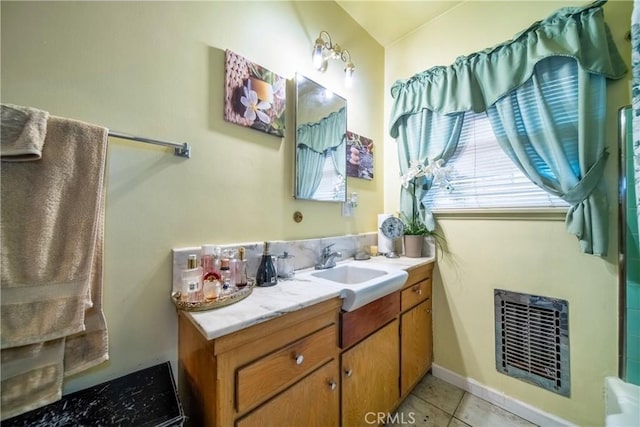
<point x="179" y="149"/>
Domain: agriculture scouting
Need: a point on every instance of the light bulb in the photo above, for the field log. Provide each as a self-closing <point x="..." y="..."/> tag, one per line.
<point x="318" y="59"/>
<point x="348" y="75"/>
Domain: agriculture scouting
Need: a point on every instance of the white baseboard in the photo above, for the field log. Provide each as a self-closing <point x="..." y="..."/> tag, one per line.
<point x="521" y="409"/>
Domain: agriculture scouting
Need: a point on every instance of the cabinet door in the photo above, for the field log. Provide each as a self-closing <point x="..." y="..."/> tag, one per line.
<point x="313" y="401"/>
<point x="370" y="372"/>
<point x="417" y="342"/>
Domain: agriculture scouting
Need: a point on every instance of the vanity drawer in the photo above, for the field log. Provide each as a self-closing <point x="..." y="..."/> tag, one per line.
<point x="265" y="376"/>
<point x="358" y="324"/>
<point x="415" y="294"/>
<point x="418" y="274"/>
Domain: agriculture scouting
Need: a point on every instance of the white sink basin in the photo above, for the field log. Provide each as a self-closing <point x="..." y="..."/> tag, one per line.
<point x="360" y="283"/>
<point x="349" y="274"/>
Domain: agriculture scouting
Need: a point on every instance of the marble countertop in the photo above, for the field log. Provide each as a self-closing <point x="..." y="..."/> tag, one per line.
<point x="288" y="295"/>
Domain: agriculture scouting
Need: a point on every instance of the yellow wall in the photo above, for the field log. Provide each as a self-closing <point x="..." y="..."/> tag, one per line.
<point x="156" y="69"/>
<point x="528" y="255"/>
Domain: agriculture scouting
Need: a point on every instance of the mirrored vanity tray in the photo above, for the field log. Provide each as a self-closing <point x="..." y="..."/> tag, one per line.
<point x="221" y="301"/>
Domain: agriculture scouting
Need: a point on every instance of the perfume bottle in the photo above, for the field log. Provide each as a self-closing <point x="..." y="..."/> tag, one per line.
<point x="212" y="288"/>
<point x="228" y="285"/>
<point x="266" y="275"/>
<point x="241" y="269"/>
<point x="207" y="259"/>
<point x="210" y="261"/>
<point x="192" y="281"/>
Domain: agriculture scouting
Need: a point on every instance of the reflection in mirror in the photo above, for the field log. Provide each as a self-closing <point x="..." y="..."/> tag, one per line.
<point x="321" y="126"/>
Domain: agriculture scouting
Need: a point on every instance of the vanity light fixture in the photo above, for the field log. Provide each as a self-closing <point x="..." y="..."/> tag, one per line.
<point x="324" y="49"/>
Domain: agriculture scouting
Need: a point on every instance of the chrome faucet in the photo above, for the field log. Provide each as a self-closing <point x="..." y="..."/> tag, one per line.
<point x="328" y="258"/>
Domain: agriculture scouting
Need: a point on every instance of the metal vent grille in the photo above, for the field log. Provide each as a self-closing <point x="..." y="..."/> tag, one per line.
<point x="532" y="339"/>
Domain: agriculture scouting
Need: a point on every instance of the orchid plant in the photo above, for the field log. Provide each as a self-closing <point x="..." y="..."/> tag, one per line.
<point x="439" y="174"/>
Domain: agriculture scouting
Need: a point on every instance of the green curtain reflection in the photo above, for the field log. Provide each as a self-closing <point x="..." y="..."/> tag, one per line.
<point x="312" y="142"/>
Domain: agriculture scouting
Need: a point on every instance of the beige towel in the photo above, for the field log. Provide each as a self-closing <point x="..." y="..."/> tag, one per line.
<point x="90" y="347"/>
<point x="22" y="133"/>
<point x="51" y="225"/>
<point x="31" y="377"/>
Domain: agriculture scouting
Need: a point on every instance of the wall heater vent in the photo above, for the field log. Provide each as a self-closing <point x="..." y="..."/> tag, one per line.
<point x="532" y="339"/>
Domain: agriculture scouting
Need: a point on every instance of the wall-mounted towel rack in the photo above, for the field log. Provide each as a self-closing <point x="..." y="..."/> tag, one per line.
<point x="179" y="149"/>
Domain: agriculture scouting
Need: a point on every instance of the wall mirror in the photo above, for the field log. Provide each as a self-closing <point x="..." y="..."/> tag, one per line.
<point x="321" y="126"/>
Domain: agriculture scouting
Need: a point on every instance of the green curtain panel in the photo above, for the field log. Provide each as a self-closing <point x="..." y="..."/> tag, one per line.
<point x="443" y="133"/>
<point x="535" y="126"/>
<point x="476" y="81"/>
<point x="309" y="170"/>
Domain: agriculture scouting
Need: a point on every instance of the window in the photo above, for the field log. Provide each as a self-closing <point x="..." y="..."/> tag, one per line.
<point x="332" y="185"/>
<point x="483" y="176"/>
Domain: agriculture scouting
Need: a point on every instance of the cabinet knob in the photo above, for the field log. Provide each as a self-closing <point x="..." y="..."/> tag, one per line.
<point x="417" y="290"/>
<point x="429" y="311"/>
<point x="333" y="385"/>
<point x="348" y="372"/>
<point x="299" y="359"/>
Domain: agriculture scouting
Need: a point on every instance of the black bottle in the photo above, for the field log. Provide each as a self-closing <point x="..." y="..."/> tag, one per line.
<point x="266" y="275"/>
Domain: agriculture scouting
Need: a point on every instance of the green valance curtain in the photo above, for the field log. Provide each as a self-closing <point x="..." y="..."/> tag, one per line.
<point x="326" y="133"/>
<point x="476" y="81"/>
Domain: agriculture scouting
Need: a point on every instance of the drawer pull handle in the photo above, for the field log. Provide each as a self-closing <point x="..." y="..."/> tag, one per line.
<point x="348" y="372"/>
<point x="429" y="311"/>
<point x="333" y="385"/>
<point x="417" y="290"/>
<point x="299" y="359"/>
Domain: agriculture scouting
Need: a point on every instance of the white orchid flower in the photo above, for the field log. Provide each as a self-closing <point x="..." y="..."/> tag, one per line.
<point x="434" y="169"/>
<point x="416" y="170"/>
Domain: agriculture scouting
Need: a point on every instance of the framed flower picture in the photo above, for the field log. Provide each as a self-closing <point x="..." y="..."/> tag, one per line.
<point x="254" y="96"/>
<point x="359" y="156"/>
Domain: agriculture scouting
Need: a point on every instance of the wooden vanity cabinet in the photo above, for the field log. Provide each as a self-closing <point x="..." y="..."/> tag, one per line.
<point x="370" y="360"/>
<point x="314" y="367"/>
<point x="370" y="377"/>
<point x="280" y="372"/>
<point x="386" y="350"/>
<point x="416" y="335"/>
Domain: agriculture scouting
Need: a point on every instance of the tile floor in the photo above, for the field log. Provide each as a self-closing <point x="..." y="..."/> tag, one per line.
<point x="436" y="403"/>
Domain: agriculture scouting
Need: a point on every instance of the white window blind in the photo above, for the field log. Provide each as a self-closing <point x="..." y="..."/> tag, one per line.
<point x="331" y="187"/>
<point x="483" y="177"/>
